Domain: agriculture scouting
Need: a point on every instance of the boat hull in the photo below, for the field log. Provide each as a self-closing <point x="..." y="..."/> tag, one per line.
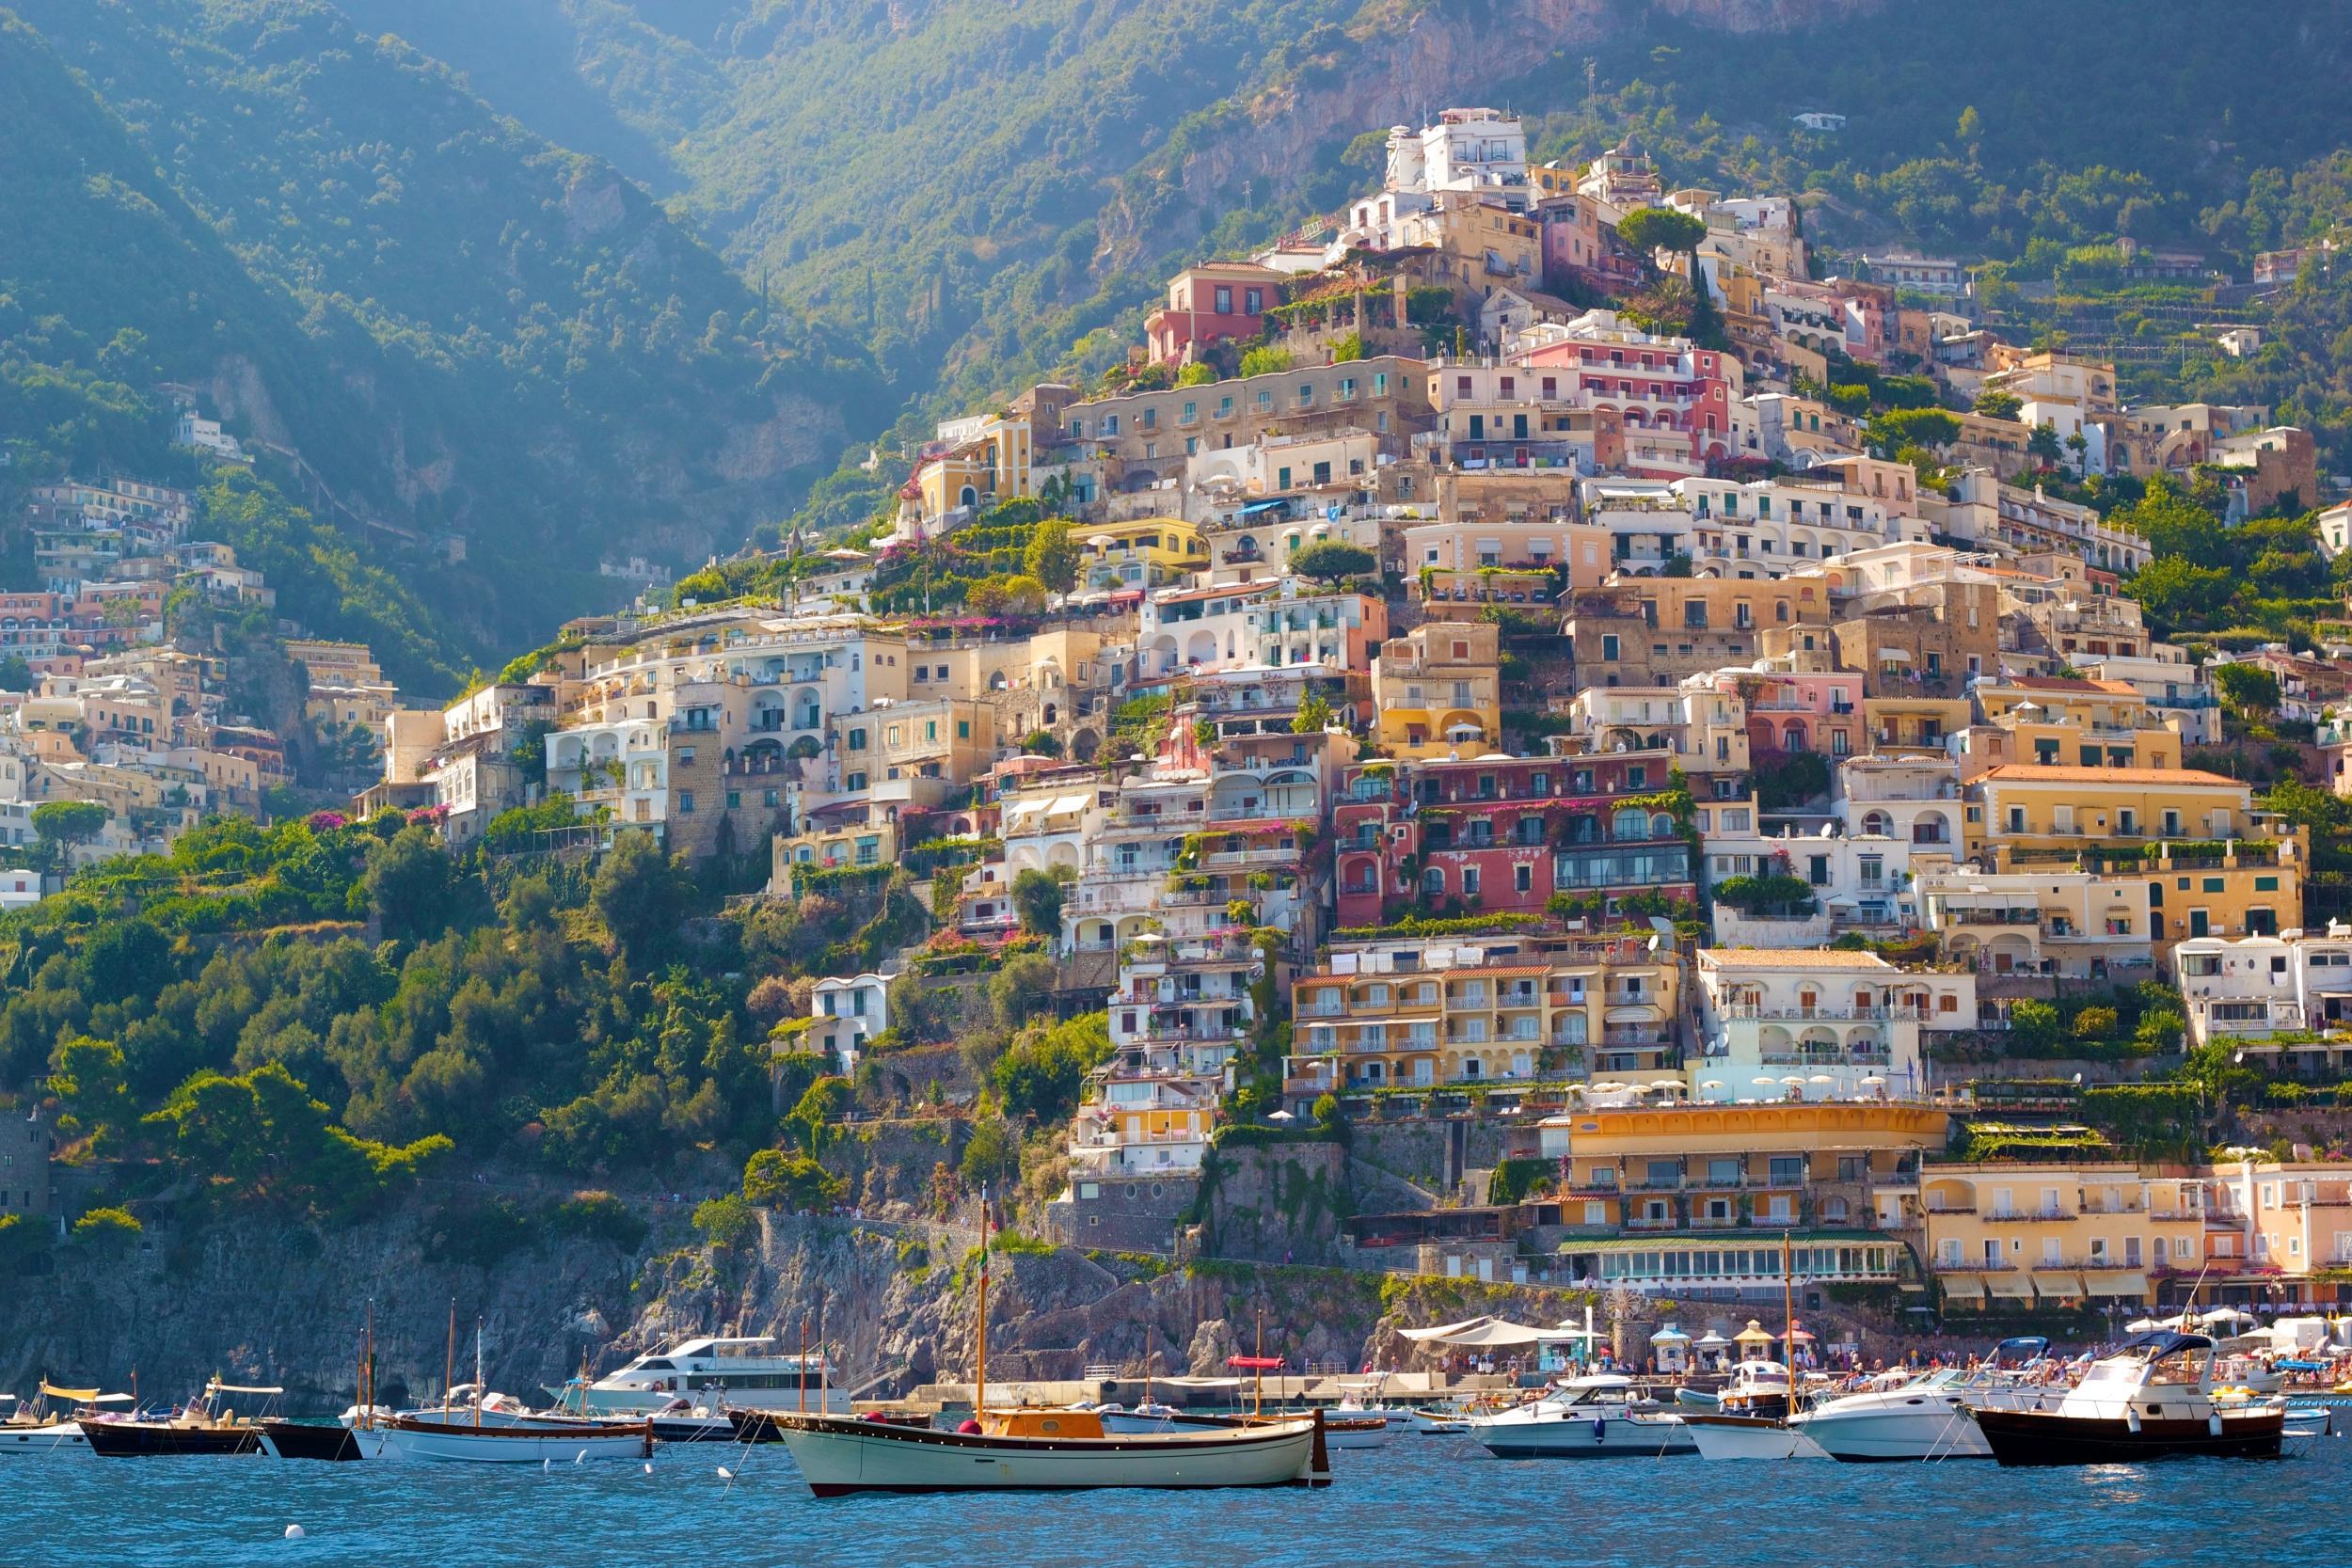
<point x="1343" y="1431"/>
<point x="841" y="1455"/>
<point x="55" y="1440"/>
<point x="154" y="1440"/>
<point x="304" y="1441"/>
<point x="1897" y="1434"/>
<point x="431" y="1443"/>
<point x="1563" y="1436"/>
<point x="2036" y="1438"/>
<point x="1723" y="1437"/>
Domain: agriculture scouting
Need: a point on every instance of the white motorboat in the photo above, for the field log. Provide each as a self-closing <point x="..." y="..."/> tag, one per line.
<point x="1920" y="1415"/>
<point x="716" y="1372"/>
<point x="1440" y="1421"/>
<point x="2152" y="1399"/>
<point x="1601" y="1414"/>
<point x="1722" y="1436"/>
<point x="410" y="1438"/>
<point x="1047" y="1451"/>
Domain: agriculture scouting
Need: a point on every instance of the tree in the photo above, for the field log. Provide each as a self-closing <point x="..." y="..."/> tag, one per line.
<point x="2094" y="1023"/>
<point x="1994" y="403"/>
<point x="1892" y="429"/>
<point x="2248" y="688"/>
<point x="728" y="1222"/>
<point x="1022" y="989"/>
<point x="641" y="895"/>
<point x="1195" y="374"/>
<point x="1037" y="900"/>
<point x="412" y="885"/>
<point x="775" y="1177"/>
<point x="2175" y="593"/>
<point x="1041" y="1074"/>
<point x="1053" y="556"/>
<point x="1040" y="743"/>
<point x="1971" y="128"/>
<point x="1651" y="229"/>
<point x="824" y="1103"/>
<point x="15" y="675"/>
<point x="87" y="1076"/>
<point x="2044" y="444"/>
<point x="1313" y="716"/>
<point x="1332" y="561"/>
<point x="1326" y="1111"/>
<point x="2160" y="1032"/>
<point x="2034" y="1027"/>
<point x="57" y="824"/>
<point x="1265" y="360"/>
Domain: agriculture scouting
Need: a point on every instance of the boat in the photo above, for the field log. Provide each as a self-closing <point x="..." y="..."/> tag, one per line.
<point x="411" y="1440"/>
<point x="37" y="1432"/>
<point x="1920" y="1416"/>
<point x="1599" y="1414"/>
<point x="1358" y="1431"/>
<point x="1035" y="1449"/>
<point x="327" y="1440"/>
<point x="1441" y="1421"/>
<point x="1725" y="1437"/>
<point x="716" y="1373"/>
<point x="204" y="1428"/>
<point x="2152" y="1399"/>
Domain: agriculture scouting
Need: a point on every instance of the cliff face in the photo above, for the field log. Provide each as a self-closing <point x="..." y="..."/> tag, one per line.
<point x="1428" y="56"/>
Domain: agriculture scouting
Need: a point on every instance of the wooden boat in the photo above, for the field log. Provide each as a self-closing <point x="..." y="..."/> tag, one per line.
<point x="1351" y="1431"/>
<point x="1721" y="1435"/>
<point x="412" y="1439"/>
<point x="2152" y="1399"/>
<point x="1029" y="1450"/>
<point x="204" y="1428"/>
<point x="285" y="1439"/>
<point x="1046" y="1451"/>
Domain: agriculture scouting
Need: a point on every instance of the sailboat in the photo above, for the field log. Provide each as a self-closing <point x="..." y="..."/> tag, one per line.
<point x="1026" y="1450"/>
<point x="442" y="1437"/>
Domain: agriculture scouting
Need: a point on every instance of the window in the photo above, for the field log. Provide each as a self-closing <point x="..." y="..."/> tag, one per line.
<point x="686" y="802"/>
<point x="1787" y="1170"/>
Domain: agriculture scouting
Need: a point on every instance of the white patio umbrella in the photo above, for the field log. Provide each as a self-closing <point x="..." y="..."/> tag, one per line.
<point x="1711" y="1083"/>
<point x="1279" y="1116"/>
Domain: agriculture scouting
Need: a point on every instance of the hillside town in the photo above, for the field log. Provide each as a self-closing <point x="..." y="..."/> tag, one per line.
<point x="1708" y="770"/>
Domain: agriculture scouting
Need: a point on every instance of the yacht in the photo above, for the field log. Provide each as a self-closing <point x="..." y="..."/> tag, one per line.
<point x="1917" y="1415"/>
<point x="36" y="1431"/>
<point x="1599" y="1414"/>
<point x="1749" y="1417"/>
<point x="2152" y="1399"/>
<point x="719" y="1373"/>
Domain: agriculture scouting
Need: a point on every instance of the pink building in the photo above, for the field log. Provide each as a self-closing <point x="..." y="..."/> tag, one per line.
<point x="1818" y="712"/>
<point x="1658" y="385"/>
<point x="1211" y="303"/>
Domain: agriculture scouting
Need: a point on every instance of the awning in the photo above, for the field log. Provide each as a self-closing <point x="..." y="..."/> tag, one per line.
<point x="1489" y="1333"/>
<point x="2119" y="1284"/>
<point x="2010" y="1287"/>
<point x="80" y="1395"/>
<point x="2058" y="1284"/>
<point x="1961" y="1287"/>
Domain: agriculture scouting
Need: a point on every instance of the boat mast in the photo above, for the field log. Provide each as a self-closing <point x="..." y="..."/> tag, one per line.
<point x="1257" y="1373"/>
<point x="367" y="1406"/>
<point x="804" y="1366"/>
<point x="448" y="1357"/>
<point x="477" y="1373"/>
<point x="980" y="1376"/>
<point x="1788" y="1311"/>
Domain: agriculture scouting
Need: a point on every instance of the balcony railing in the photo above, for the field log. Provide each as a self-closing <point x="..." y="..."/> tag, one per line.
<point x="1867" y="1015"/>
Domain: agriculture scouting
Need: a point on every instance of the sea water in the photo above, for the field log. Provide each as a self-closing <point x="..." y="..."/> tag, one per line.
<point x="1419" y="1500"/>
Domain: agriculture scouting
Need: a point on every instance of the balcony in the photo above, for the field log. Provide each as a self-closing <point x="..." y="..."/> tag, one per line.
<point x="1867" y="1015"/>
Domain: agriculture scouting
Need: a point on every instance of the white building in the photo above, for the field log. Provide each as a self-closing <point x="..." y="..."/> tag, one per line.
<point x="849" y="1009"/>
<point x="206" y="436"/>
<point x="2256" y="987"/>
<point x="1805" y="1023"/>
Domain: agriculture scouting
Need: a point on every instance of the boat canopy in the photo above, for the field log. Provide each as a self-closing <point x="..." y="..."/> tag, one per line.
<point x="1255" y="1363"/>
<point x="82" y="1395"/>
<point x="2161" y="1342"/>
<point x="220" y="1387"/>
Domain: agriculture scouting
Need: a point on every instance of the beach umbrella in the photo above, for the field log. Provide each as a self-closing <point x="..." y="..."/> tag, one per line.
<point x="1281" y="1115"/>
<point x="1766" y="1083"/>
<point x="1711" y="1083"/>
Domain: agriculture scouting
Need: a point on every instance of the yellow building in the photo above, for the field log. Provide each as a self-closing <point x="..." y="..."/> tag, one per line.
<point x="1713" y="1167"/>
<point x="2214" y="865"/>
<point x="2050" y="720"/>
<point x="1149" y="552"/>
<point x="2003" y="1234"/>
<point x="1467" y="1014"/>
<point x="857" y="845"/>
<point x="948" y="738"/>
<point x="986" y="462"/>
<point x="1439" y="691"/>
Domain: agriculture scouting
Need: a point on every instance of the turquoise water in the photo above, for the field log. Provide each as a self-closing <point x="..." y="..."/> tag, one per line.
<point x="1419" y="1500"/>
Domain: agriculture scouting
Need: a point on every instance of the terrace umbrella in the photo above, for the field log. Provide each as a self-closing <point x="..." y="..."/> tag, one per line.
<point x="1281" y="1115"/>
<point x="1711" y="1083"/>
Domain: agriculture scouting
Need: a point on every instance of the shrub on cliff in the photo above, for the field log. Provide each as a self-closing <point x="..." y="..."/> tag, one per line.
<point x="105" y="1227"/>
<point x="728" y="1222"/>
<point x="775" y="1178"/>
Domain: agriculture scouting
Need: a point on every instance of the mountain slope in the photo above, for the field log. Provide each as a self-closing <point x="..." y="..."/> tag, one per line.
<point x="461" y="327"/>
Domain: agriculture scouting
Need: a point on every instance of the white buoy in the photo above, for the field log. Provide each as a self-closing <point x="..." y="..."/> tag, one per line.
<point x="295" y="1532"/>
<point x="726" y="1474"/>
<point x="648" y="1466"/>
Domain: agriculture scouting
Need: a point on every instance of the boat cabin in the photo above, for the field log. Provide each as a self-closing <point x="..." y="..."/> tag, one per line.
<point x="1041" y="1423"/>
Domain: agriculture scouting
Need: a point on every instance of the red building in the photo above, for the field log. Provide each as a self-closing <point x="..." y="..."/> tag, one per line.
<point x="1505" y="833"/>
<point x="1211" y="303"/>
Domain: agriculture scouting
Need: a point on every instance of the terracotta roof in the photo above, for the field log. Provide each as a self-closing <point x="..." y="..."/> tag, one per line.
<point x="2012" y="772"/>
<point x="1795" y="957"/>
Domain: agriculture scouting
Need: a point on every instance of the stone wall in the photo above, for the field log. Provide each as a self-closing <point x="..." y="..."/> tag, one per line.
<point x="1122" y="1214"/>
